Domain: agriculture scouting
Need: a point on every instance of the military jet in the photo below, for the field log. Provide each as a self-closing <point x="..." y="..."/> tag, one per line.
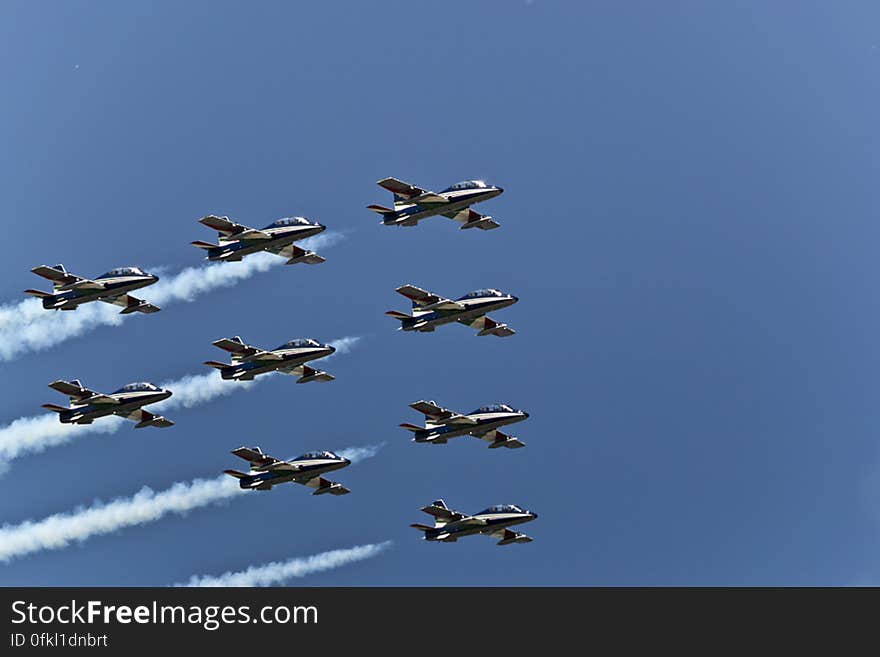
<point x="236" y="240"/>
<point x="87" y="405"/>
<point x="442" y="424"/>
<point x="70" y="291"/>
<point x="450" y="525"/>
<point x="430" y="310"/>
<point x="267" y="471"/>
<point x="412" y="204"/>
<point x="289" y="358"/>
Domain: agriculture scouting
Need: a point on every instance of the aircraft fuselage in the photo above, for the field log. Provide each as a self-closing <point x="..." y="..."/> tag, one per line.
<point x="459" y="200"/>
<point x="485" y="422"/>
<point x="116" y="286"/>
<point x="474" y="308"/>
<point x="129" y="402"/>
<point x="305" y="471"/>
<point x="486" y="523"/>
<point x="292" y="357"/>
<point x="233" y="249"/>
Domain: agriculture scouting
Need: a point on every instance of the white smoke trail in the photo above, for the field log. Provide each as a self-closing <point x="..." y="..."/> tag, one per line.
<point x="26" y="327"/>
<point x="31" y="435"/>
<point x="61" y="529"/>
<point x="279" y="571"/>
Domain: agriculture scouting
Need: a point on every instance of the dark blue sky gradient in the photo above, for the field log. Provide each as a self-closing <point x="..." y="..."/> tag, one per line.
<point x="690" y="221"/>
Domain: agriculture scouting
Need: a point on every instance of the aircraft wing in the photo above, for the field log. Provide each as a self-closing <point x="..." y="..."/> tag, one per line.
<point x="231" y="229"/>
<point x="442" y="512"/>
<point x="296" y="254"/>
<point x="256" y="458"/>
<point x="132" y="304"/>
<point x="401" y="188"/>
<point x="497" y="438"/>
<point x="307" y="374"/>
<point x="485" y="325"/>
<point x="73" y="389"/>
<point x="236" y="346"/>
<point x="439" y="415"/>
<point x="64" y="280"/>
<point x="471" y="219"/>
<point x="146" y="419"/>
<point x="322" y="486"/>
<point x="428" y="300"/>
<point x="508" y="536"/>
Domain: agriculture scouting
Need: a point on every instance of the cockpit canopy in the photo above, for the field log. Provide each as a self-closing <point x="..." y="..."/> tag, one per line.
<point x="502" y="508"/>
<point x="468" y="184"/>
<point x="494" y="408"/>
<point x="299" y="342"/>
<point x="477" y="294"/>
<point x="124" y="271"/>
<point x="138" y="387"/>
<point x="290" y="221"/>
<point x="313" y="456"/>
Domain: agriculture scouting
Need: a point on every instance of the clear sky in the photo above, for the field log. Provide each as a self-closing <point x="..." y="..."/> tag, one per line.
<point x="690" y="222"/>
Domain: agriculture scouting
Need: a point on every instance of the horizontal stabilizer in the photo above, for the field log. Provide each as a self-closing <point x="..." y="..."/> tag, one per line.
<point x="215" y="364"/>
<point x="55" y="407"/>
<point x="412" y="427"/>
<point x="236" y="474"/>
<point x="424" y="528"/>
<point x="204" y="245"/>
<point x="381" y="209"/>
<point x="396" y="314"/>
<point x="38" y="293"/>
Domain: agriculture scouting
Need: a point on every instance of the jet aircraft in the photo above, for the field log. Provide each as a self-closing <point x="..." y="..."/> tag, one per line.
<point x="412" y="204"/>
<point x="495" y="521"/>
<point x="430" y="310"/>
<point x="289" y="358"/>
<point x="442" y="424"/>
<point x="71" y="291"/>
<point x="237" y="240"/>
<point x="87" y="405"/>
<point x="267" y="471"/>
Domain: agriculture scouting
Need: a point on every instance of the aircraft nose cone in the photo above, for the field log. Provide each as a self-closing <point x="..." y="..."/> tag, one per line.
<point x="515" y="298"/>
<point x="346" y="461"/>
<point x="322" y="228"/>
<point x="534" y="515"/>
<point x="154" y="277"/>
<point x="525" y="415"/>
<point x="331" y="348"/>
<point x="500" y="190"/>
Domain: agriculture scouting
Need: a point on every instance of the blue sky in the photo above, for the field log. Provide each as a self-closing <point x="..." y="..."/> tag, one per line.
<point x="689" y="221"/>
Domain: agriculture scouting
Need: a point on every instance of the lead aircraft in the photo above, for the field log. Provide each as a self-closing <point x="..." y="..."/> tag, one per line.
<point x="413" y="204"/>
<point x="495" y="521"/>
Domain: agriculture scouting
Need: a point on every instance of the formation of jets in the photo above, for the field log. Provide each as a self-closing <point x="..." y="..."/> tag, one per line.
<point x="235" y="241"/>
<point x="70" y="291"/>
<point x="267" y="471"/>
<point x="288" y="358"/>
